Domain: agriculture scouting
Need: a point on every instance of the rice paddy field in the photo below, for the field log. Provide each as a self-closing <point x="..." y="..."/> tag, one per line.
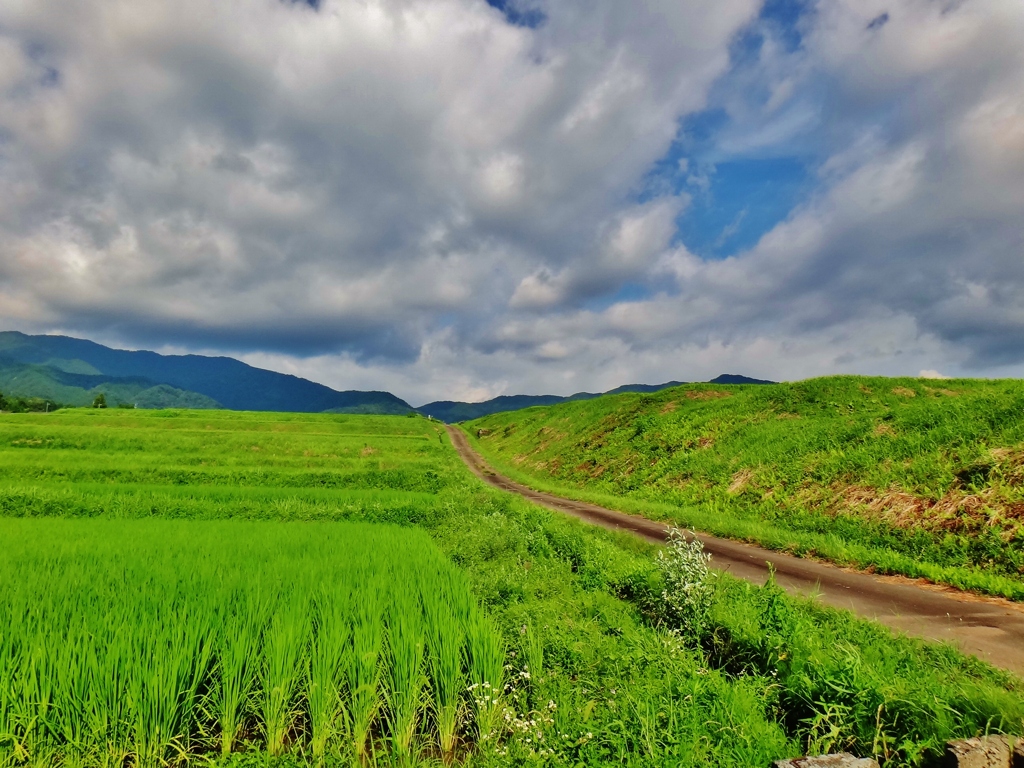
<point x="186" y="588"/>
<point x="175" y="636"/>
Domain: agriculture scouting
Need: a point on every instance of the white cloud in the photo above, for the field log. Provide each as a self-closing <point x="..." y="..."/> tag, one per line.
<point x="260" y="173"/>
<point x="424" y="197"/>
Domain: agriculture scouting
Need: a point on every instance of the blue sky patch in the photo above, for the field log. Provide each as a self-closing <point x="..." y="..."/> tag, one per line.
<point x="518" y="13"/>
<point x="742" y="201"/>
<point x="742" y="179"/>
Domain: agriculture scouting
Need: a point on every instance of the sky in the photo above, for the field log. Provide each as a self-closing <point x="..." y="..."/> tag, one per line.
<point x="457" y="199"/>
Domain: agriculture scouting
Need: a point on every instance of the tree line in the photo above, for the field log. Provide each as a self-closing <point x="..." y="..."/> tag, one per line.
<point x="16" y="404"/>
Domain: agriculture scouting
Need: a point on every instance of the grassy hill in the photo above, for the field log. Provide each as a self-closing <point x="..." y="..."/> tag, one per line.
<point x="911" y="476"/>
<point x="216" y="381"/>
<point x="452" y="411"/>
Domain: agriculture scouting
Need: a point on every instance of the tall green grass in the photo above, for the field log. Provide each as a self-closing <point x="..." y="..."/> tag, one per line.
<point x="903" y="476"/>
<point x="153" y="641"/>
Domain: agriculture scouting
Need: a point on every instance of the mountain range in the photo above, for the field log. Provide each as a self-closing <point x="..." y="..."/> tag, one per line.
<point x="73" y="371"/>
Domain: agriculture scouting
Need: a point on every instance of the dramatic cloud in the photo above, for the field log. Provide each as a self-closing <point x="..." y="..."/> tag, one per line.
<point x="437" y="198"/>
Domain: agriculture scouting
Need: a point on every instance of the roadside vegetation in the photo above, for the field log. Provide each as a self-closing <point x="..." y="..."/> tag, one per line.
<point x="155" y="539"/>
<point x="916" y="477"/>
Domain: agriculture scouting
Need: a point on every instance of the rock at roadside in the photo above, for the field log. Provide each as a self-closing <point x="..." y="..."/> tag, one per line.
<point x="483" y="432"/>
<point x="840" y="760"/>
<point x="985" y="752"/>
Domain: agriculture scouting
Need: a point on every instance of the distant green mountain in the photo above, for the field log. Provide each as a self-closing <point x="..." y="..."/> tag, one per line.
<point x="61" y="386"/>
<point x="734" y="378"/>
<point x="67" y="369"/>
<point x="450" y="411"/>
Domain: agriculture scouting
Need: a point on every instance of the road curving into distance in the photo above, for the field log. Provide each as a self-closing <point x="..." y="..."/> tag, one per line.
<point x="992" y="629"/>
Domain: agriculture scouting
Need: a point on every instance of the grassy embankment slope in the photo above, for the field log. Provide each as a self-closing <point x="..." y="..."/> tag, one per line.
<point x="593" y="676"/>
<point x="908" y="476"/>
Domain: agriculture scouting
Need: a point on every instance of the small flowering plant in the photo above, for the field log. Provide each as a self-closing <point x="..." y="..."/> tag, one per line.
<point x="689" y="584"/>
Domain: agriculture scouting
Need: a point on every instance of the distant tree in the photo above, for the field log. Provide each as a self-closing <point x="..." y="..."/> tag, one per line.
<point x="100" y="401"/>
<point x="3" y="402"/>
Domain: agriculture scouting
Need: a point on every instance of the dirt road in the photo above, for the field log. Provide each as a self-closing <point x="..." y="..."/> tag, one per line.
<point x="990" y="629"/>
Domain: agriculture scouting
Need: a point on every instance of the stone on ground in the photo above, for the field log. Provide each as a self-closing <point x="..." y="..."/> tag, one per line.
<point x="839" y="760"/>
<point x="985" y="752"/>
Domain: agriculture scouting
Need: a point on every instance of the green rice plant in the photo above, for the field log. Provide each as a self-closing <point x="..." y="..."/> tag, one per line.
<point x="8" y="661"/>
<point x="169" y="667"/>
<point x="364" y="671"/>
<point x="33" y="702"/>
<point x="486" y="674"/>
<point x="283" y="649"/>
<point x="446" y="657"/>
<point x="330" y="658"/>
<point x="71" y="695"/>
<point x="403" y="664"/>
<point x="243" y="620"/>
<point x="532" y="644"/>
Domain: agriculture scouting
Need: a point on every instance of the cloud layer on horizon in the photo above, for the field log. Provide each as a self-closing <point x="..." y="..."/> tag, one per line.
<point x="428" y="198"/>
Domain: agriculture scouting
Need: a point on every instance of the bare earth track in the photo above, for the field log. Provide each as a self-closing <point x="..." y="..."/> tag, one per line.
<point x="990" y="629"/>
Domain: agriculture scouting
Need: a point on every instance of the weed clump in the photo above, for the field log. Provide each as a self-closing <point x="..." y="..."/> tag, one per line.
<point x="689" y="591"/>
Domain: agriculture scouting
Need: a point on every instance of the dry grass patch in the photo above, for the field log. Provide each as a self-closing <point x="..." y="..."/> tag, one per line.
<point x="740" y="481"/>
<point x="956" y="511"/>
<point x="706" y="394"/>
<point x="944" y="392"/>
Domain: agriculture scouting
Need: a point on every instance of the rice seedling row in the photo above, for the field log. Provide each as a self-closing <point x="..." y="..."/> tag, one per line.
<point x="148" y="642"/>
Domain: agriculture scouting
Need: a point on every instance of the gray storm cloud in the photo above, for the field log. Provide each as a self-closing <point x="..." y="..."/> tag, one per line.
<point x="254" y="172"/>
<point x="424" y="197"/>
